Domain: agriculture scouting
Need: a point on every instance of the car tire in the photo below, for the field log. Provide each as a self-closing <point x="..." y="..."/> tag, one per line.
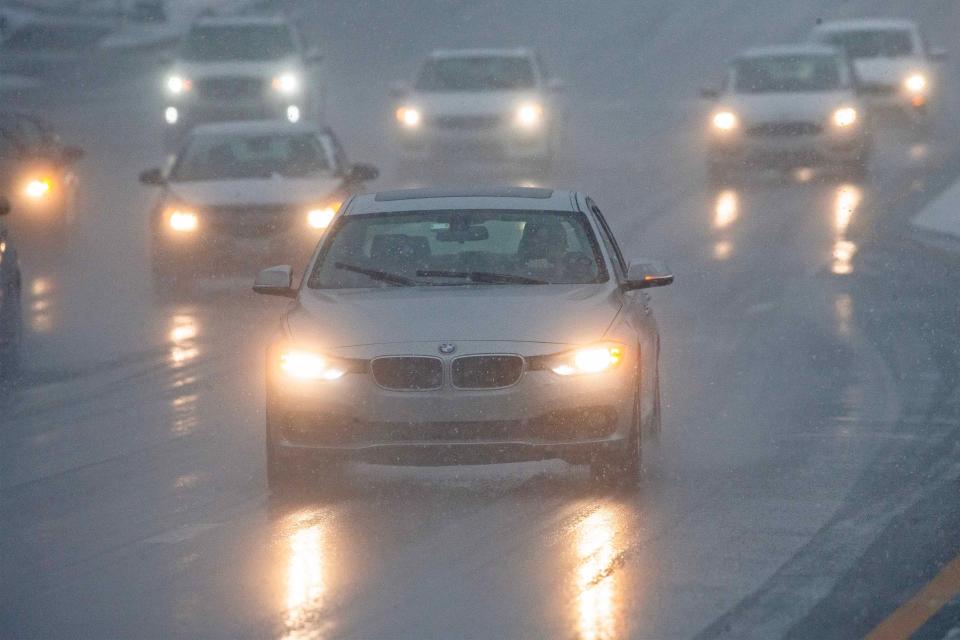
<point x="719" y="173"/>
<point x="10" y="354"/>
<point x="171" y="281"/>
<point x="623" y="467"/>
<point x="283" y="475"/>
<point x="856" y="171"/>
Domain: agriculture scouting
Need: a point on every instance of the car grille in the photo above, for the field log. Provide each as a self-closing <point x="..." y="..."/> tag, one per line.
<point x="250" y="222"/>
<point x="877" y="89"/>
<point x="407" y="373"/>
<point x="466" y="122"/>
<point x="486" y="372"/>
<point x="230" y="88"/>
<point x="785" y="129"/>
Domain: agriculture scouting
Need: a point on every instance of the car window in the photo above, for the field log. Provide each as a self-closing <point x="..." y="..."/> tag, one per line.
<point x="481" y="73"/>
<point x="444" y="247"/>
<point x="609" y="242"/>
<point x="787" y="73"/>
<point x="237" y="42"/>
<point x="220" y="157"/>
<point x="881" y="43"/>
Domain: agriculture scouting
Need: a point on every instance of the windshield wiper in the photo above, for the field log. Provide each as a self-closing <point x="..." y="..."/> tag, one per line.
<point x="383" y="276"/>
<point x="481" y="276"/>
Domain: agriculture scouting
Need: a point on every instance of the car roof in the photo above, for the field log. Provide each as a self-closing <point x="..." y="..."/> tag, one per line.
<point x="254" y="127"/>
<point x="507" y="198"/>
<point x="519" y="52"/>
<point x="240" y="20"/>
<point x="788" y="50"/>
<point x="866" y="24"/>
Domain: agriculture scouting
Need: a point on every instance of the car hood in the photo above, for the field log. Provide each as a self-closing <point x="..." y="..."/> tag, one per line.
<point x="250" y="68"/>
<point x="275" y="191"/>
<point x="890" y="71"/>
<point x="484" y="103"/>
<point x="787" y="107"/>
<point x="565" y="314"/>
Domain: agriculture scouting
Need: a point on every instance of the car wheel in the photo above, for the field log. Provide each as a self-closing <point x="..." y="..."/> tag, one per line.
<point x="171" y="281"/>
<point x="282" y="474"/>
<point x="623" y="467"/>
<point x="719" y="173"/>
<point x="10" y="353"/>
<point x="855" y="170"/>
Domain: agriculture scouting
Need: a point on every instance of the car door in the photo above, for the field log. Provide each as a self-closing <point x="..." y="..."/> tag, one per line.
<point x="639" y="315"/>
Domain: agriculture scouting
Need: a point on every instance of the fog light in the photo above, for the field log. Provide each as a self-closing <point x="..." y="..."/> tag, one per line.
<point x="171" y="115"/>
<point x="293" y="113"/>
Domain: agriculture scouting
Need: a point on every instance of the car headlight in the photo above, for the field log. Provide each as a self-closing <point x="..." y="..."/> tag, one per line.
<point x="844" y="117"/>
<point x="306" y="365"/>
<point x="409" y="117"/>
<point x="178" y="85"/>
<point x="529" y="116"/>
<point x="587" y="360"/>
<point x="37" y="189"/>
<point x="286" y="83"/>
<point x="915" y="83"/>
<point x="182" y="220"/>
<point x="725" y="121"/>
<point x="321" y="217"/>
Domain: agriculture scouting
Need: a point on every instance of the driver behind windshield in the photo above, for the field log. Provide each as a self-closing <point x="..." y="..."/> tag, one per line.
<point x="213" y="157"/>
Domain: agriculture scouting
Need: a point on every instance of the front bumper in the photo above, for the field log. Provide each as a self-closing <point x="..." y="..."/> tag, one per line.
<point x="788" y="151"/>
<point x="499" y="142"/>
<point x="211" y="252"/>
<point x="541" y="416"/>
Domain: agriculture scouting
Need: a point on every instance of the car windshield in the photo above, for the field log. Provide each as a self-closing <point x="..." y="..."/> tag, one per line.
<point x="481" y="73"/>
<point x="787" y="74"/>
<point x="237" y="42"/>
<point x="881" y="43"/>
<point x="459" y="247"/>
<point x="226" y="157"/>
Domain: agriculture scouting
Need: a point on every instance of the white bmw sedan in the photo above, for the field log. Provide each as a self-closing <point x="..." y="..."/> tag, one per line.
<point x="448" y="327"/>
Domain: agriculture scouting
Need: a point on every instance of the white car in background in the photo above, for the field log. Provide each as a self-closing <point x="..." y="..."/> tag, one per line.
<point x="462" y="327"/>
<point x="240" y="68"/>
<point x="785" y="107"/>
<point x="894" y="65"/>
<point x="479" y="105"/>
<point x="241" y="193"/>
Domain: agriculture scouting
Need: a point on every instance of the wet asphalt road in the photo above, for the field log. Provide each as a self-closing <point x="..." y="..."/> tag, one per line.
<point x="810" y="375"/>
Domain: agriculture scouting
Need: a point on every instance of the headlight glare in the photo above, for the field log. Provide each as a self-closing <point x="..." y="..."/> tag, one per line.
<point x="37" y="188"/>
<point x="321" y="217"/>
<point x="844" y="117"/>
<point x="915" y="83"/>
<point x="725" y="120"/>
<point x="595" y="359"/>
<point x="409" y="117"/>
<point x="178" y="85"/>
<point x="183" y="220"/>
<point x="306" y="365"/>
<point x="286" y="83"/>
<point x="529" y="115"/>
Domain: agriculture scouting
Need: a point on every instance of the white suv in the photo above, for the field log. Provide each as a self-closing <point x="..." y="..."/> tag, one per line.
<point x="479" y="104"/>
<point x="239" y="68"/>
<point x="892" y="61"/>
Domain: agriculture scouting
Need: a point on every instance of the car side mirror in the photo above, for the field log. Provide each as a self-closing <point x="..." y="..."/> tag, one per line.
<point x="71" y="154"/>
<point x="709" y="93"/>
<point x="4" y="206"/>
<point x="556" y="85"/>
<point x="646" y="274"/>
<point x="275" y="281"/>
<point x="153" y="177"/>
<point x="938" y="55"/>
<point x="313" y="55"/>
<point x="399" y="89"/>
<point x="362" y="172"/>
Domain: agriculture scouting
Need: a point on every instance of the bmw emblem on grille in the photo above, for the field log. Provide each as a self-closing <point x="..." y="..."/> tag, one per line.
<point x="446" y="348"/>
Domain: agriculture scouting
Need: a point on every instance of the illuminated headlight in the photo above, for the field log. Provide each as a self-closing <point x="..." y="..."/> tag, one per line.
<point x="37" y="189"/>
<point x="305" y="365"/>
<point x="178" y="85"/>
<point x="183" y="220"/>
<point x="409" y="117"/>
<point x="725" y="121"/>
<point x="844" y="117"/>
<point x="286" y="83"/>
<point x="293" y="113"/>
<point x="171" y="115"/>
<point x="595" y="359"/>
<point x="915" y="83"/>
<point x="321" y="217"/>
<point x="529" y="116"/>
